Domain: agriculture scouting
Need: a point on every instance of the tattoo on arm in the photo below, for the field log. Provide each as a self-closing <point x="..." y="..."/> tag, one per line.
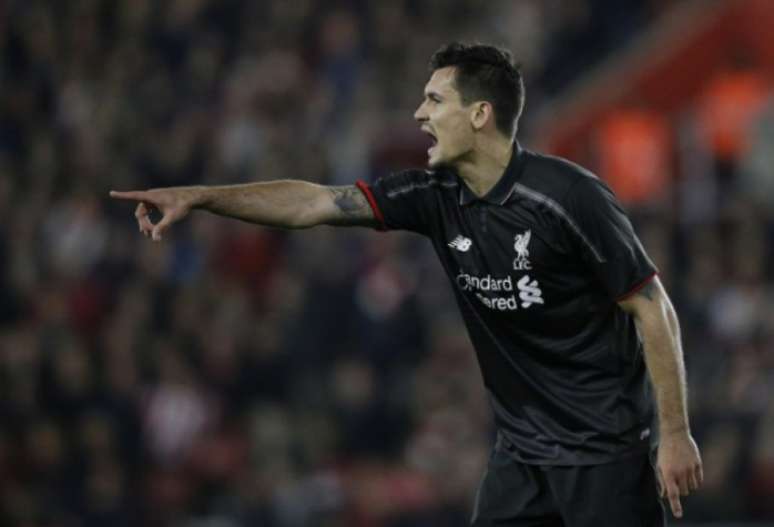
<point x="349" y="200"/>
<point x="648" y="290"/>
<point x="352" y="206"/>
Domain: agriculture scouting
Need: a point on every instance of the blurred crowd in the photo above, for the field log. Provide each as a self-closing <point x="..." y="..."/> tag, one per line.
<point x="234" y="375"/>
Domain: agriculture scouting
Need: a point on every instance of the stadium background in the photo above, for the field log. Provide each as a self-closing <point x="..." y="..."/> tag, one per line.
<point x="235" y="375"/>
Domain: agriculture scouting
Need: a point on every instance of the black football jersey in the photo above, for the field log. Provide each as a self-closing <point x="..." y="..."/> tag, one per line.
<point x="538" y="265"/>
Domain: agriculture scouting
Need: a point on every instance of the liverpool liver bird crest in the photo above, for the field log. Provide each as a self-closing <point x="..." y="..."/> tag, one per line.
<point x="521" y="242"/>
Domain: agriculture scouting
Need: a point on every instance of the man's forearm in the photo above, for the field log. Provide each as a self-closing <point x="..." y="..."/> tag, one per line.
<point x="285" y="203"/>
<point x="660" y="332"/>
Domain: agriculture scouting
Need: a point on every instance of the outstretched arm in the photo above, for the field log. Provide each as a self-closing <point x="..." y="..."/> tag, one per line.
<point x="287" y="203"/>
<point x="679" y="462"/>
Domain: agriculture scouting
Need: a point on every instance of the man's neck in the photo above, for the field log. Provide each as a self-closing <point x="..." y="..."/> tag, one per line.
<point x="485" y="165"/>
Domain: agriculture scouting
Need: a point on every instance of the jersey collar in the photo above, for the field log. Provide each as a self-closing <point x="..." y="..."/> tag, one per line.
<point x="498" y="194"/>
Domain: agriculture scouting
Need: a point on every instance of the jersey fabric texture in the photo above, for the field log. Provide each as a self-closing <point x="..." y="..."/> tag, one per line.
<point x="537" y="266"/>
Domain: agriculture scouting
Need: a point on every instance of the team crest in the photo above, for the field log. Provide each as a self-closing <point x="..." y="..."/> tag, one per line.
<point x="521" y="243"/>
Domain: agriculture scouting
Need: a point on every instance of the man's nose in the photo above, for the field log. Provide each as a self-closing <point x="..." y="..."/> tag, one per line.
<point x="420" y="114"/>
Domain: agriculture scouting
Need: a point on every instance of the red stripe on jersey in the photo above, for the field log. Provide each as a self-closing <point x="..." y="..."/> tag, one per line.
<point x="636" y="288"/>
<point x="366" y="190"/>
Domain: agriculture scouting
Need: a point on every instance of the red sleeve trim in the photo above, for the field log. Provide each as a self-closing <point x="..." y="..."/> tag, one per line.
<point x="366" y="190"/>
<point x="636" y="287"/>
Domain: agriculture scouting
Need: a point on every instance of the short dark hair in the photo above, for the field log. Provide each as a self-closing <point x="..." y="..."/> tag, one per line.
<point x="485" y="73"/>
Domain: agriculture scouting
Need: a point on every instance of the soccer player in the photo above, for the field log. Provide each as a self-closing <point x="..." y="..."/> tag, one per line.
<point x="578" y="343"/>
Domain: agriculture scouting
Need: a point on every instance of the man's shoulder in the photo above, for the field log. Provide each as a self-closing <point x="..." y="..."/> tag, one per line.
<point x="555" y="176"/>
<point x="416" y="179"/>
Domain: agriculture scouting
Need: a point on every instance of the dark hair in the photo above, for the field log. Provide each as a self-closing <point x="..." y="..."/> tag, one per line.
<point x="485" y="73"/>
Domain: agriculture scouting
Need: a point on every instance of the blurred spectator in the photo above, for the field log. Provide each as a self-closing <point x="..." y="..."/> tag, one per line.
<point x="634" y="150"/>
<point x="756" y="176"/>
<point x="726" y="111"/>
<point x="178" y="409"/>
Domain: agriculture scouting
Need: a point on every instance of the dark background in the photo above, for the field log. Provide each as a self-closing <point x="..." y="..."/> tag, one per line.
<point x="235" y="375"/>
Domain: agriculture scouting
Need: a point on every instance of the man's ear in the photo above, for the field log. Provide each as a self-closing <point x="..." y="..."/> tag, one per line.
<point x="480" y="114"/>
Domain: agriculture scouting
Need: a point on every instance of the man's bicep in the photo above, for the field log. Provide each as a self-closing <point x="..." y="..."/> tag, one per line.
<point x="344" y="206"/>
<point x="651" y="295"/>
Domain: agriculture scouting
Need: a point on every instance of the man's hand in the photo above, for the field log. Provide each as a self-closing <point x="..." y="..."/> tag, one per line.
<point x="679" y="468"/>
<point x="173" y="204"/>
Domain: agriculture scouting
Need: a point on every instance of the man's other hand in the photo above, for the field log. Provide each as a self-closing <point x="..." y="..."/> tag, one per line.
<point x="679" y="468"/>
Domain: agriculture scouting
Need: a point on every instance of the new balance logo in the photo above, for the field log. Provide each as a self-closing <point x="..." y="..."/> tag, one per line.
<point x="461" y="243"/>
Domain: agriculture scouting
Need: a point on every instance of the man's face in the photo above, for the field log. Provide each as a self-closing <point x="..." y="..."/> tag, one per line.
<point x="443" y="117"/>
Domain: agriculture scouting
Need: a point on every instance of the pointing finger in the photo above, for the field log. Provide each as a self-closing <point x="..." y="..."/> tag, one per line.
<point x="135" y="195"/>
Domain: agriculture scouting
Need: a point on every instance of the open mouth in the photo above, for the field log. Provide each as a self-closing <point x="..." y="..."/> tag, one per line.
<point x="433" y="138"/>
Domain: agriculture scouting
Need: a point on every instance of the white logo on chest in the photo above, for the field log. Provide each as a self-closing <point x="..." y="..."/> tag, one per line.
<point x="520" y="245"/>
<point x="529" y="291"/>
<point x="460" y="243"/>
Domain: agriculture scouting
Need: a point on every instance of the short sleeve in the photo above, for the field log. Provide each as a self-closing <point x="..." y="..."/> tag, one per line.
<point x="404" y="200"/>
<point x="606" y="239"/>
